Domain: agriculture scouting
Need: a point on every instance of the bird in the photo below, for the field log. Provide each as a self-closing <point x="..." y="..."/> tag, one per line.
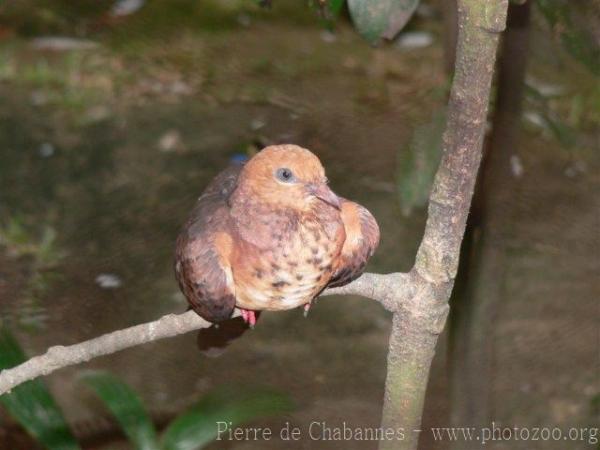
<point x="270" y="234"/>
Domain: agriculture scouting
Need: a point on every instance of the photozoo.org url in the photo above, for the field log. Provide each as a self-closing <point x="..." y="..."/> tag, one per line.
<point x="496" y="433"/>
<point x="324" y="431"/>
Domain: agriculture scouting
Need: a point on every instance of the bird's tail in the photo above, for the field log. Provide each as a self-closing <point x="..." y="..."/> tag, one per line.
<point x="212" y="341"/>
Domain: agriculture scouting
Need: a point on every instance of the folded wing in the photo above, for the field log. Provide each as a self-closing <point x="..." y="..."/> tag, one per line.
<point x="362" y="238"/>
<point x="202" y="252"/>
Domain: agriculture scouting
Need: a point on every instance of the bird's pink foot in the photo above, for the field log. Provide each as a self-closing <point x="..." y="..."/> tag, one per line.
<point x="249" y="317"/>
<point x="306" y="308"/>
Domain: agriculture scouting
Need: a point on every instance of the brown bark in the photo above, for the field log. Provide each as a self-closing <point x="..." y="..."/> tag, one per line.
<point x="480" y="283"/>
<point x="418" y="321"/>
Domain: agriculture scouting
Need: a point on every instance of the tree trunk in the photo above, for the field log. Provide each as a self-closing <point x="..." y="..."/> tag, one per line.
<point x="480" y="284"/>
<point x="418" y="321"/>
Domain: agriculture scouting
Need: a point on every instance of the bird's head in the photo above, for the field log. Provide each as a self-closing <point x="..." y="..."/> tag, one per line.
<point x="287" y="176"/>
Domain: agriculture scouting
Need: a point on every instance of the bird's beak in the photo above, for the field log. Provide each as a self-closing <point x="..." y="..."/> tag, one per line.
<point x="323" y="193"/>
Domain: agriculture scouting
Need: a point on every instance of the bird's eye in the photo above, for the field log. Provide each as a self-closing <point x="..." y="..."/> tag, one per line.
<point x="284" y="174"/>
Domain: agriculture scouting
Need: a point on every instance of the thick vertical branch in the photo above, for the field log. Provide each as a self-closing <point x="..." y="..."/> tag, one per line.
<point x="480" y="281"/>
<point x="417" y="323"/>
<point x="480" y="22"/>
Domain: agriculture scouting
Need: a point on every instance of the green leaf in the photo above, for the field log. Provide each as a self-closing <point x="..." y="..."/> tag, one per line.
<point x="127" y="408"/>
<point x="31" y="404"/>
<point x="199" y="425"/>
<point x="328" y="11"/>
<point x="335" y="7"/>
<point x="419" y="163"/>
<point x="377" y="19"/>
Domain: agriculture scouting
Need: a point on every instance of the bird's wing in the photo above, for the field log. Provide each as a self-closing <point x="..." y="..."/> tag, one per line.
<point x="362" y="238"/>
<point x="202" y="255"/>
<point x="222" y="186"/>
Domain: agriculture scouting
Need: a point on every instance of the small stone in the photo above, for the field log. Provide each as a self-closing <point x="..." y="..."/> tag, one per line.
<point x="97" y="113"/>
<point x="62" y="43"/>
<point x="320" y="378"/>
<point x="46" y="150"/>
<point x="328" y="37"/>
<point x="535" y="118"/>
<point x="108" y="281"/>
<point x="170" y="141"/>
<point x="180" y="88"/>
<point x="516" y="166"/>
<point x="38" y="98"/>
<point x="546" y="89"/>
<point x="414" y="39"/>
<point x="577" y="168"/>
<point x="244" y="20"/>
<point x="257" y="124"/>
<point x="123" y="8"/>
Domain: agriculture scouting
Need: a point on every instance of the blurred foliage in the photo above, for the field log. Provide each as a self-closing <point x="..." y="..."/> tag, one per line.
<point x="329" y="11"/>
<point x="377" y="19"/>
<point x="156" y="19"/>
<point x="194" y="428"/>
<point x="197" y="427"/>
<point x="34" y="408"/>
<point x="547" y="119"/>
<point x="577" y="24"/>
<point x="21" y="240"/>
<point x="39" y="247"/>
<point x="72" y="81"/>
<point x="126" y="407"/>
<point x="336" y="6"/>
<point x="570" y="118"/>
<point x="419" y="163"/>
<point x="31" y="404"/>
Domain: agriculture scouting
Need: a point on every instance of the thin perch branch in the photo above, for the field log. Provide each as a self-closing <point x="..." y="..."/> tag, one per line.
<point x="388" y="289"/>
<point x="60" y="356"/>
<point x="374" y="286"/>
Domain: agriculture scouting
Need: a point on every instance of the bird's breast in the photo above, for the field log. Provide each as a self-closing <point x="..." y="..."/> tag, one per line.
<point x="291" y="271"/>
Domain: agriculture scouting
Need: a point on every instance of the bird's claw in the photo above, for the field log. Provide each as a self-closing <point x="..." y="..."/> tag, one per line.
<point x="249" y="317"/>
<point x="306" y="309"/>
